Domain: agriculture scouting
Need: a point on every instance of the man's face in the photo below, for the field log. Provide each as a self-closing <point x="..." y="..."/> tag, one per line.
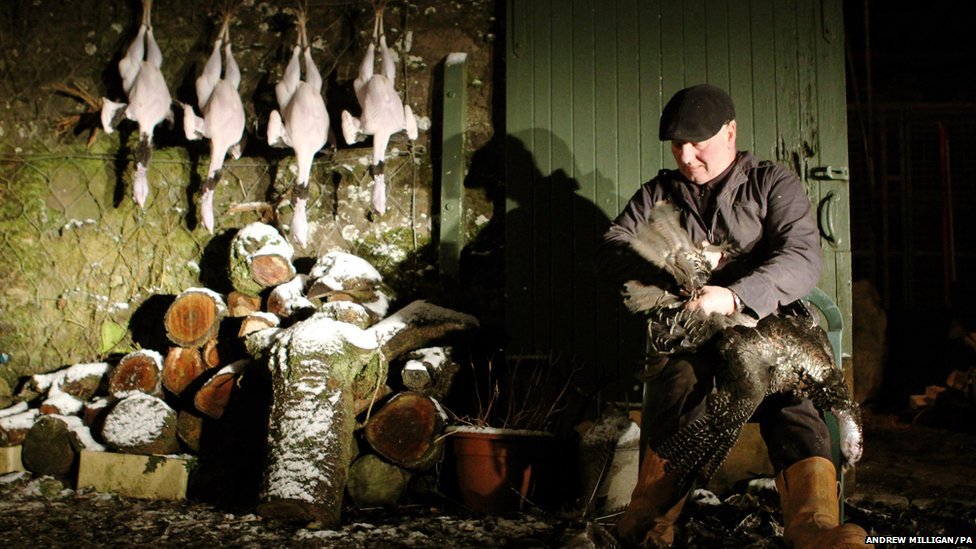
<point x="702" y="161"/>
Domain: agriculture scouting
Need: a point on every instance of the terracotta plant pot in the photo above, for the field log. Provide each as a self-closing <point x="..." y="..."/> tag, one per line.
<point x="498" y="469"/>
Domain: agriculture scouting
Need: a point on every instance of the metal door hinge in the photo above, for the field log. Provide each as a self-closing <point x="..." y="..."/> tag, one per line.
<point x="837" y="173"/>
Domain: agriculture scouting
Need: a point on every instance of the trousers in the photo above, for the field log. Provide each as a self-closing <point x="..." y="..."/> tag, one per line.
<point x="675" y="392"/>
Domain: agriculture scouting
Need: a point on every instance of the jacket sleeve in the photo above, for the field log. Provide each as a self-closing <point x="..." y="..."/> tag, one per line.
<point x="794" y="259"/>
<point x="617" y="262"/>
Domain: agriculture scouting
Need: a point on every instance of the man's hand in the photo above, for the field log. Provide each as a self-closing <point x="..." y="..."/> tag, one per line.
<point x="713" y="299"/>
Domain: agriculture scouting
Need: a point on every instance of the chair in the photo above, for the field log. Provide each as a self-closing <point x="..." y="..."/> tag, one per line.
<point x="835" y="332"/>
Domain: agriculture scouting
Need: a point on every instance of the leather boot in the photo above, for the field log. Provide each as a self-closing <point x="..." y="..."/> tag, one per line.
<point x="811" y="512"/>
<point x="654" y="506"/>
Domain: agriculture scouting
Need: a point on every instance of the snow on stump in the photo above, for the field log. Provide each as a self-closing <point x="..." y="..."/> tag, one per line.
<point x="52" y="445"/>
<point x="259" y="258"/>
<point x="135" y="476"/>
<point x="374" y="482"/>
<point x="139" y="371"/>
<point x="141" y="424"/>
<point x="194" y="317"/>
<point x="319" y="367"/>
<point x="288" y="299"/>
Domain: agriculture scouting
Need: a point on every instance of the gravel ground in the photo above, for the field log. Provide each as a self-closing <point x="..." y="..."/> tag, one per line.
<point x="915" y="480"/>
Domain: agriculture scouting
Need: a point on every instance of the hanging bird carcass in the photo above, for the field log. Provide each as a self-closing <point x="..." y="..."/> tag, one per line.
<point x="301" y="122"/>
<point x="148" y="96"/>
<point x="785" y="352"/>
<point x="383" y="114"/>
<point x="223" y="115"/>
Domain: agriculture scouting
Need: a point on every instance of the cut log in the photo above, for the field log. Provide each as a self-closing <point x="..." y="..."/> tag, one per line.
<point x="141" y="424"/>
<point x="213" y="396"/>
<point x="318" y="366"/>
<point x="181" y="366"/>
<point x="94" y="412"/>
<point x="429" y="371"/>
<point x="375" y="483"/>
<point x="194" y="317"/>
<point x="84" y="380"/>
<point x="14" y="427"/>
<point x="189" y="429"/>
<point x="407" y="431"/>
<point x="61" y="403"/>
<point x="211" y="354"/>
<point x="256" y="322"/>
<point x="70" y="387"/>
<point x="349" y="312"/>
<point x="417" y="325"/>
<point x="289" y="299"/>
<point x="139" y="371"/>
<point x="53" y="443"/>
<point x="259" y="258"/>
<point x="340" y="276"/>
<point x="364" y="404"/>
<point x="241" y="305"/>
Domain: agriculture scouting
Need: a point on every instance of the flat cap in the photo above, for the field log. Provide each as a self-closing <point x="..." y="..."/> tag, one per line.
<point x="696" y="113"/>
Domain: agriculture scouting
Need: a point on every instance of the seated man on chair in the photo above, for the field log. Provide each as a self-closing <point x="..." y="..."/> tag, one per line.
<point x="760" y="208"/>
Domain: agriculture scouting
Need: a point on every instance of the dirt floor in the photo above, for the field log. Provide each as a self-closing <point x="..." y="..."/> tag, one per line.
<point x="915" y="479"/>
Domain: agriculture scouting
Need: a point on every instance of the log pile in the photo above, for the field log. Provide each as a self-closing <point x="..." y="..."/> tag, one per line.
<point x="353" y="392"/>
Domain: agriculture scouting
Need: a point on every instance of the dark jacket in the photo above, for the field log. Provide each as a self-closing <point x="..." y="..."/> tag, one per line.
<point x="762" y="212"/>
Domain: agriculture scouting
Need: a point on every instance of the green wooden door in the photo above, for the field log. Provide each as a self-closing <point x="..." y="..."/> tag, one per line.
<point x="585" y="84"/>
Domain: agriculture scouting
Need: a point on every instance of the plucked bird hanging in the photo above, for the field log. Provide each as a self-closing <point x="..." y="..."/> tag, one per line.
<point x="301" y="123"/>
<point x="223" y="115"/>
<point x="383" y="114"/>
<point x="148" y="96"/>
<point x="788" y="353"/>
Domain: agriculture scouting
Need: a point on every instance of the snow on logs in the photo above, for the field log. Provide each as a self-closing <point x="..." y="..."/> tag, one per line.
<point x="259" y="258"/>
<point x="318" y="366"/>
<point x="141" y="424"/>
<point x="327" y="352"/>
<point x="194" y="317"/>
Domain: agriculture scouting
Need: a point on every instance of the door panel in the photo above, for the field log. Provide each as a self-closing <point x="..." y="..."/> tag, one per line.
<point x="585" y="84"/>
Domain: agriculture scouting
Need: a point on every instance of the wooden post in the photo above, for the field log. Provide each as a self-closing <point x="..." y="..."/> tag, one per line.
<point x="452" y="163"/>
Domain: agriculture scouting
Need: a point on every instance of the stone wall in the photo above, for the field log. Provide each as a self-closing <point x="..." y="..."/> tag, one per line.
<point x="83" y="270"/>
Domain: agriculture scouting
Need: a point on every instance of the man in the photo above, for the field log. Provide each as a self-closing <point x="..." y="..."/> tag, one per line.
<point x="759" y="213"/>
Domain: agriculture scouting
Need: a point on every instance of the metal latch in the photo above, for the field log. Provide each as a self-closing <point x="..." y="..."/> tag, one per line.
<point x="840" y="173"/>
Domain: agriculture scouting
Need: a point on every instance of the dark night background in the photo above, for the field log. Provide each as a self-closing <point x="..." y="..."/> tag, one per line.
<point x="911" y="73"/>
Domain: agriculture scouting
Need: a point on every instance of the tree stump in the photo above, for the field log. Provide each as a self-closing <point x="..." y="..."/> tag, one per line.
<point x="318" y="367"/>
<point x="139" y="371"/>
<point x="407" y="431"/>
<point x="259" y="258"/>
<point x="194" y="317"/>
<point x="141" y="424"/>
<point x="374" y="482"/>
